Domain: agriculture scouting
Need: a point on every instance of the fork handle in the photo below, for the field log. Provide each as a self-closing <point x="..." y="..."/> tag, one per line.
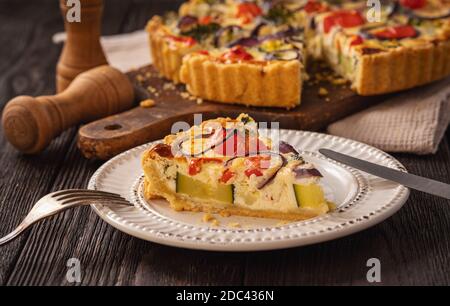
<point x="37" y="213"/>
<point x="16" y="232"/>
<point x="34" y="216"/>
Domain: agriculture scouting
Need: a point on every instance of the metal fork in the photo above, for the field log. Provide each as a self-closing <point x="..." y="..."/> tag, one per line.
<point x="58" y="201"/>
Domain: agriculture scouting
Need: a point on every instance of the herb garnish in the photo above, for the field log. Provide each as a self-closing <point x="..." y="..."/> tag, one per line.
<point x="279" y="14"/>
<point x="200" y="32"/>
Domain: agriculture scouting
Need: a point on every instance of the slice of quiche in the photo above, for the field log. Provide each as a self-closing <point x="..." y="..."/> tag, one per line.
<point x="225" y="166"/>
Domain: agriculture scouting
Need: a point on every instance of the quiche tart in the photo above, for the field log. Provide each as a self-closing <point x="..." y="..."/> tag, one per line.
<point x="225" y="166"/>
<point x="233" y="51"/>
<point x="255" y="52"/>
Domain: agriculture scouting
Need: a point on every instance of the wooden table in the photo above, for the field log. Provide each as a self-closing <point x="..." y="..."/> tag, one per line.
<point x="413" y="246"/>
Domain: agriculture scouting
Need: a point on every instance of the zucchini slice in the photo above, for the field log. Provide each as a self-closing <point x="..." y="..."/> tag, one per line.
<point x="197" y="189"/>
<point x="309" y="196"/>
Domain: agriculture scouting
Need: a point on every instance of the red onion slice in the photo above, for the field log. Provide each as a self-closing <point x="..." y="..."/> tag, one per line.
<point x="284" y="55"/>
<point x="301" y="173"/>
<point x="177" y="146"/>
<point x="269" y="179"/>
<point x="187" y="21"/>
<point x="245" y="42"/>
<point x="291" y="31"/>
<point x="286" y="148"/>
<point x="257" y="29"/>
<point x="223" y="31"/>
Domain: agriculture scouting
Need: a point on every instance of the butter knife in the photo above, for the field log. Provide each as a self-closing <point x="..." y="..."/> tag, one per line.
<point x="406" y="179"/>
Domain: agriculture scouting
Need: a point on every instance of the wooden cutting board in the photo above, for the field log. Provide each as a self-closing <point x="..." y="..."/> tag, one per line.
<point x="110" y="136"/>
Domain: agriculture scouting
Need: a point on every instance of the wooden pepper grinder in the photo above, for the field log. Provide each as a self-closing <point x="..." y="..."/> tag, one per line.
<point x="30" y="124"/>
<point x="82" y="49"/>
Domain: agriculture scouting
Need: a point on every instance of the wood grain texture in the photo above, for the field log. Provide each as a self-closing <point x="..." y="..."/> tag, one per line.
<point x="413" y="245"/>
<point x="27" y="33"/>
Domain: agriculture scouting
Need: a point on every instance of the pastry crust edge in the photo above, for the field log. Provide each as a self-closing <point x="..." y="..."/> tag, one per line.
<point x="402" y="68"/>
<point x="167" y="57"/>
<point x="274" y="84"/>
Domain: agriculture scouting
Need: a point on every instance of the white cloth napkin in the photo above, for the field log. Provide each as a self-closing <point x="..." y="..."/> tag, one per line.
<point x="413" y="122"/>
<point x="124" y="51"/>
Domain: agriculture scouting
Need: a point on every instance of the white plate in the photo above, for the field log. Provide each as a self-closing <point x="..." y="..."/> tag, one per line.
<point x="362" y="201"/>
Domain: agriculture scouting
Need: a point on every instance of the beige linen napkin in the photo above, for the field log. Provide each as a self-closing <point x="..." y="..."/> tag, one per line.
<point x="414" y="121"/>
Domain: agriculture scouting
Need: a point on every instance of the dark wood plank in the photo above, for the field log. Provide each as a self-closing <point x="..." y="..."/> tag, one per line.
<point x="166" y="266"/>
<point x="447" y="135"/>
<point x="58" y="239"/>
<point x="28" y="57"/>
<point x="27" y="65"/>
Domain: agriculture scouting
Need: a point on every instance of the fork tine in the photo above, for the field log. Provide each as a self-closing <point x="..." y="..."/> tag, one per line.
<point x="65" y="194"/>
<point x="70" y="191"/>
<point x="89" y="198"/>
<point x="102" y="201"/>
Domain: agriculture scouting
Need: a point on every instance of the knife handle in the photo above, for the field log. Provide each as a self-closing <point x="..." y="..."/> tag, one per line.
<point x="30" y="124"/>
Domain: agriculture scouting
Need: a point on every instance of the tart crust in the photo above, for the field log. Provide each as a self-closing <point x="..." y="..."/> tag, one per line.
<point x="167" y="56"/>
<point x="274" y="83"/>
<point x="402" y="68"/>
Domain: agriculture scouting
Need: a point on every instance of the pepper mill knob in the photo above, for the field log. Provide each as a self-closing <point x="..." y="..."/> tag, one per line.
<point x="30" y="123"/>
<point x="82" y="49"/>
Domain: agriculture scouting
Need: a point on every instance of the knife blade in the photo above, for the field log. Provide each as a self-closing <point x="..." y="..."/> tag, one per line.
<point x="406" y="179"/>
